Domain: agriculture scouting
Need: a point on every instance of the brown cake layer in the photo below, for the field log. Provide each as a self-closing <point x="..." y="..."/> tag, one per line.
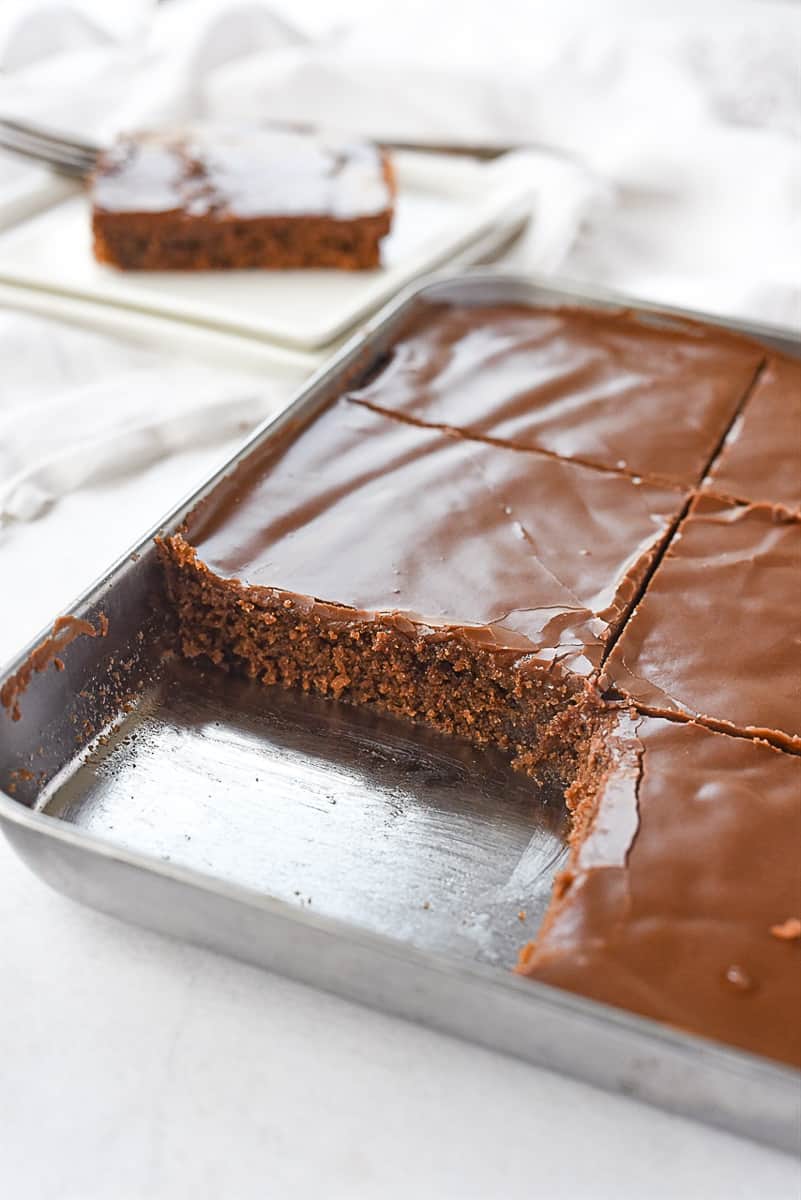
<point x="441" y="679"/>
<point x="466" y="585"/>
<point x="644" y="395"/>
<point x="760" y="458"/>
<point x="682" y="899"/>
<point x="717" y="635"/>
<point x="221" y="198"/>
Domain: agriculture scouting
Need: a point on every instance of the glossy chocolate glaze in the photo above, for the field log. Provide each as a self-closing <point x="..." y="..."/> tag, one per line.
<point x="718" y="633"/>
<point x="607" y="388"/>
<point x="241" y="172"/>
<point x="364" y="515"/>
<point x="684" y="917"/>
<point x="682" y="896"/>
<point x="761" y="458"/>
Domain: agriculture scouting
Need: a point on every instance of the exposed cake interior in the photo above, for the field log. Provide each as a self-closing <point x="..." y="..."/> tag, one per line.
<point x="136" y="242"/>
<point x="444" y="580"/>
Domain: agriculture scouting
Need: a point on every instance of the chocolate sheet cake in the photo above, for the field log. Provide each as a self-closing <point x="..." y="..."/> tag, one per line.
<point x="681" y="899"/>
<point x="625" y="392"/>
<point x="218" y="197"/>
<point x="466" y="585"/>
<point x="626" y="637"/>
<point x="760" y="458"/>
<point x="717" y="635"/>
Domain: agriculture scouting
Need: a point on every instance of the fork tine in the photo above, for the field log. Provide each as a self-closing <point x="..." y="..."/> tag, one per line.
<point x="55" y="137"/>
<point x="66" y="163"/>
<point x="45" y="152"/>
<point x="72" y="158"/>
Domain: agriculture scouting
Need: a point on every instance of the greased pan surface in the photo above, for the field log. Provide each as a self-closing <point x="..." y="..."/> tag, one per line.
<point x="374" y="860"/>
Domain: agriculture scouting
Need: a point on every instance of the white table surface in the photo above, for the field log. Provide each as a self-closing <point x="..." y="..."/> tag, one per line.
<point x="133" y="1066"/>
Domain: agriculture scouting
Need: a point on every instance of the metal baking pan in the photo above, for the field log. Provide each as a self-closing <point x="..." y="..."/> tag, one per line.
<point x="359" y="855"/>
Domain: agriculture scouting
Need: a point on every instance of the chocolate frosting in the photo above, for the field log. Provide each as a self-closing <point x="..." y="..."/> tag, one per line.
<point x="688" y="924"/>
<point x="645" y="395"/>
<point x="241" y="172"/>
<point x="65" y="630"/>
<point x="718" y="633"/>
<point x="366" y="515"/>
<point x="682" y="897"/>
<point x="761" y="458"/>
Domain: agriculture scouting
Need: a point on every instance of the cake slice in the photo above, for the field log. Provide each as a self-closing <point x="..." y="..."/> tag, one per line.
<point x="761" y="457"/>
<point x="682" y="895"/>
<point x="468" y="586"/>
<point x="717" y="635"/>
<point x="649" y="395"/>
<point x="217" y="197"/>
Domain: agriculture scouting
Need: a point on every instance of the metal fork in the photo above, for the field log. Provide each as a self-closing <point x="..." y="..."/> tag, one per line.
<point x="67" y="155"/>
<point x="76" y="157"/>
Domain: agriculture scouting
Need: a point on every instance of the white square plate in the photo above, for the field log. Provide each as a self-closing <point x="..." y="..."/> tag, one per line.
<point x="443" y="205"/>
<point x="26" y="189"/>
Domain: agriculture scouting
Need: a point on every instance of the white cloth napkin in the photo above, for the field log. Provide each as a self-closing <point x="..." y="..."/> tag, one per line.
<point x="676" y="173"/>
<point x="96" y="408"/>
